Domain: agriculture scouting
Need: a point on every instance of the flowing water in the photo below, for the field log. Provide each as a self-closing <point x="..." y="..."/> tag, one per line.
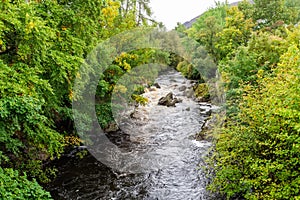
<point x="165" y="135"/>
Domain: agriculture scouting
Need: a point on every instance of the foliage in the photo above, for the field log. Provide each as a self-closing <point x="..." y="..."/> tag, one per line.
<point x="246" y="7"/>
<point x="138" y="8"/>
<point x="188" y="70"/>
<point x="294" y="8"/>
<point x="266" y="12"/>
<point x="15" y="186"/>
<point x="140" y="99"/>
<point x="124" y="80"/>
<point x="268" y="166"/>
<point x="207" y="26"/>
<point x="256" y="153"/>
<point x="104" y="114"/>
<point x="236" y="32"/>
<point x="202" y="90"/>
<point x="42" y="46"/>
<point x="197" y="64"/>
<point x="26" y="132"/>
<point x="243" y="52"/>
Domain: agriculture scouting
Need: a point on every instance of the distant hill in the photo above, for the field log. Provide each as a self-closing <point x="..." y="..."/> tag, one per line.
<point x="189" y="24"/>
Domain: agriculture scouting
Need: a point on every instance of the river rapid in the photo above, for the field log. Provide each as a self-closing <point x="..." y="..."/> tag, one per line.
<point x="160" y="132"/>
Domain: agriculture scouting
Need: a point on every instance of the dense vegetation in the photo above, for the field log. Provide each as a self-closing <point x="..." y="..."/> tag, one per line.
<point x="42" y="46"/>
<point x="256" y="47"/>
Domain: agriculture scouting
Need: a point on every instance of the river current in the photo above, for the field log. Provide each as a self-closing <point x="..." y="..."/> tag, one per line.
<point x="161" y="133"/>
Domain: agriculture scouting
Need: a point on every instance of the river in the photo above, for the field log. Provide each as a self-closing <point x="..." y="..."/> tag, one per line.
<point x="164" y="134"/>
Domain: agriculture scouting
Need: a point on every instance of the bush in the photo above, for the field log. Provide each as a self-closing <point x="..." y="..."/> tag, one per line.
<point x="188" y="70"/>
<point x="258" y="155"/>
<point x="15" y="186"/>
<point x="202" y="90"/>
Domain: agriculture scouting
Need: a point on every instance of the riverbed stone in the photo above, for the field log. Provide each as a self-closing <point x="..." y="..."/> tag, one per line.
<point x="139" y="115"/>
<point x="152" y="88"/>
<point x="169" y="100"/>
<point x="156" y="85"/>
<point x="111" y="127"/>
<point x="182" y="88"/>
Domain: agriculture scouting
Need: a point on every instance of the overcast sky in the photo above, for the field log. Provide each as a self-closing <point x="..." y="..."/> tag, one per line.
<point x="172" y="11"/>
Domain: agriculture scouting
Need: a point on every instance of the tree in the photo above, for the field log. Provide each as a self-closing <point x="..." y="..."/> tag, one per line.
<point x="294" y="8"/>
<point x="258" y="155"/>
<point x="247" y="8"/>
<point x="267" y="12"/>
<point x="42" y="46"/>
<point x="236" y="32"/>
<point x="140" y="10"/>
<point x="205" y="29"/>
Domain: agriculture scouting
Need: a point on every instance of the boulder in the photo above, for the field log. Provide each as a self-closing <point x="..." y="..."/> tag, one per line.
<point x="182" y="88"/>
<point x="152" y="88"/>
<point x="156" y="85"/>
<point x="111" y="127"/>
<point x="139" y="115"/>
<point x="166" y="100"/>
<point x="169" y="100"/>
<point x="177" y="100"/>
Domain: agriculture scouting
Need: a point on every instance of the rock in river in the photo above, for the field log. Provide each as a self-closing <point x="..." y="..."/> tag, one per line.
<point x="169" y="100"/>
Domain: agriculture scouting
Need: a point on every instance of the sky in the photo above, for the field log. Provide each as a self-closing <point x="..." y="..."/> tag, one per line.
<point x="172" y="11"/>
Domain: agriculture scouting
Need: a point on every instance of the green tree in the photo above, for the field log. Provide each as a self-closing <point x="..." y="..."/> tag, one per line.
<point x="247" y="8"/>
<point x="205" y="29"/>
<point x="236" y="32"/>
<point x="267" y="12"/>
<point x="263" y="51"/>
<point x="258" y="156"/>
<point x="140" y="9"/>
<point x="15" y="186"/>
<point x="42" y="46"/>
<point x="294" y="7"/>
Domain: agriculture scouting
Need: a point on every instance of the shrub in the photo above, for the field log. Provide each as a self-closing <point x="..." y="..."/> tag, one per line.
<point x="15" y="186"/>
<point x="258" y="155"/>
